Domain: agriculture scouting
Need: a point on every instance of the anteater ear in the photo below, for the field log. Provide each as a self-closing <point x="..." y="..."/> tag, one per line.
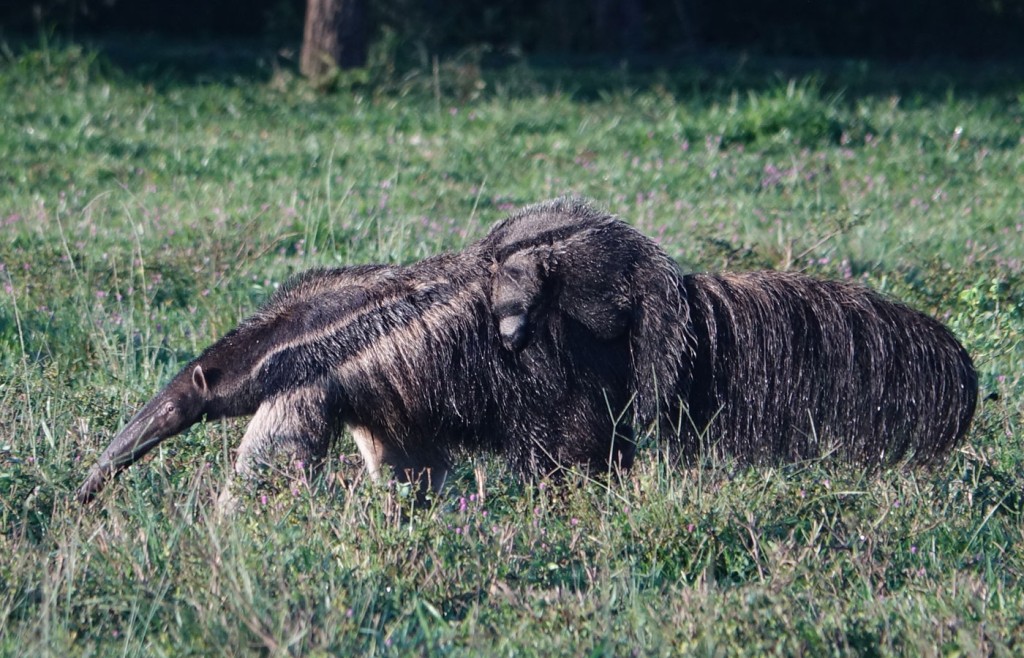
<point x="199" y="380"/>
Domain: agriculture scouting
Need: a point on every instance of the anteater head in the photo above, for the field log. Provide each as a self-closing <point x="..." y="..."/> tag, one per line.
<point x="517" y="294"/>
<point x="180" y="405"/>
<point x="565" y="263"/>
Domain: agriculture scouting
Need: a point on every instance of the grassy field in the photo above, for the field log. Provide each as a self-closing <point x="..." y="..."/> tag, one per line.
<point x="144" y="211"/>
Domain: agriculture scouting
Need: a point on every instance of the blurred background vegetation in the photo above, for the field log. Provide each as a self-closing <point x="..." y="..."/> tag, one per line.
<point x="831" y="28"/>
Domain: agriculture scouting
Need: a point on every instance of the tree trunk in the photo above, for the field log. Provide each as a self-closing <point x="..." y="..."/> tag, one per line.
<point x="335" y="35"/>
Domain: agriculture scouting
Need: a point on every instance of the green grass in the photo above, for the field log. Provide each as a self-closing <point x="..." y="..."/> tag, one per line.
<point x="143" y="213"/>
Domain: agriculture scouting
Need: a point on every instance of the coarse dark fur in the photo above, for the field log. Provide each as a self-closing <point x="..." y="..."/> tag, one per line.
<point x="791" y="367"/>
<point x="761" y="366"/>
<point x="406" y="357"/>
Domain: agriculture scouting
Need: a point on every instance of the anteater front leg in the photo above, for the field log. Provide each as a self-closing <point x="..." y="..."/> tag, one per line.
<point x="299" y="422"/>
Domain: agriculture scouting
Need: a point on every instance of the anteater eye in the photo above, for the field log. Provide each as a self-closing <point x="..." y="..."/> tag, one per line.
<point x="510" y="309"/>
<point x="514" y="274"/>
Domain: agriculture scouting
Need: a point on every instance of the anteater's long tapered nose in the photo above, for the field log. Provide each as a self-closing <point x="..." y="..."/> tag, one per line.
<point x="142" y="433"/>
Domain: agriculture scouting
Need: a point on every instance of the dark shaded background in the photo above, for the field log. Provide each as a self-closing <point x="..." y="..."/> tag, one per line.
<point x="905" y="29"/>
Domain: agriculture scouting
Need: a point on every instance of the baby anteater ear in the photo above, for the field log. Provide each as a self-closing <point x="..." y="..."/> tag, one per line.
<point x="199" y="380"/>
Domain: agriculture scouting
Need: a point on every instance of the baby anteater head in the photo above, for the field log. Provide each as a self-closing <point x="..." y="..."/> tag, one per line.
<point x="517" y="294"/>
<point x="564" y="262"/>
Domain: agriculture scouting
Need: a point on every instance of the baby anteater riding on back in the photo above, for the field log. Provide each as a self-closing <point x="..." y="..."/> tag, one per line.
<point x="760" y="366"/>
